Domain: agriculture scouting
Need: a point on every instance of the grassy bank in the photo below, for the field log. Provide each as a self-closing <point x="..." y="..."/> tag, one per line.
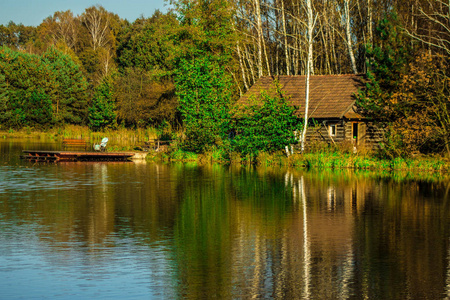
<point x="317" y="160"/>
<point x="364" y="162"/>
<point x="128" y="139"/>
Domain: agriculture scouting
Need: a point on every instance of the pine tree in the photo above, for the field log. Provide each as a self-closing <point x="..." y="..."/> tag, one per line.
<point x="4" y="114"/>
<point x="102" y="113"/>
<point x="70" y="100"/>
<point x="387" y="61"/>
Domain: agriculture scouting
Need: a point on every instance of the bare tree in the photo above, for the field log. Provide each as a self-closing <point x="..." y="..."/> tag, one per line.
<point x="61" y="27"/>
<point x="436" y="16"/>
<point x="96" y="20"/>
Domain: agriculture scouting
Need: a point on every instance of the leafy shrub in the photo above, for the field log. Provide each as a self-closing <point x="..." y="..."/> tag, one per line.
<point x="204" y="91"/>
<point x="266" y="124"/>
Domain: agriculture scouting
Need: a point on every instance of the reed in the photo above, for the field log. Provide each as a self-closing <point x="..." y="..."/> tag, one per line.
<point x="119" y="135"/>
<point x="179" y="155"/>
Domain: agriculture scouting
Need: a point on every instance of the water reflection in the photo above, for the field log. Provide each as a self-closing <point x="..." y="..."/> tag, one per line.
<point x="134" y="230"/>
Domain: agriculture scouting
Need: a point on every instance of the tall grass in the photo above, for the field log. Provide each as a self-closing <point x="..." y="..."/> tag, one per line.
<point x="317" y="158"/>
<point x="118" y="135"/>
<point x="119" y="139"/>
<point x="320" y="160"/>
<point x="338" y="160"/>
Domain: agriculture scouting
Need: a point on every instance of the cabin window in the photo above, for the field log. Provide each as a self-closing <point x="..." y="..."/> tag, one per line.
<point x="332" y="130"/>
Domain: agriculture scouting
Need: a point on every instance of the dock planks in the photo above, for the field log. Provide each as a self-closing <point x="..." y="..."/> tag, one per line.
<point x="56" y="156"/>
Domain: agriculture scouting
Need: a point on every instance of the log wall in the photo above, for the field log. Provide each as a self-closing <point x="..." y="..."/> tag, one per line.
<point x="369" y="136"/>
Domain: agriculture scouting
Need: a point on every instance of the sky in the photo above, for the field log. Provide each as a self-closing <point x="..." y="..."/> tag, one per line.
<point x="33" y="12"/>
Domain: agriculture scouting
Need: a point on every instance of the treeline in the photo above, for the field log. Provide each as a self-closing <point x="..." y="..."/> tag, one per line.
<point x="133" y="74"/>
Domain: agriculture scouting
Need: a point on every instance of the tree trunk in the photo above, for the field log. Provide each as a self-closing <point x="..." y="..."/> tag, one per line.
<point x="260" y="37"/>
<point x="244" y="79"/>
<point x="250" y="62"/>
<point x="369" y="21"/>
<point x="308" y="69"/>
<point x="349" y="36"/>
<point x="286" y="46"/>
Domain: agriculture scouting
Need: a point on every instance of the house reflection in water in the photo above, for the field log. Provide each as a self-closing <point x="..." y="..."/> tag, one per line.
<point x="242" y="233"/>
<point x="347" y="236"/>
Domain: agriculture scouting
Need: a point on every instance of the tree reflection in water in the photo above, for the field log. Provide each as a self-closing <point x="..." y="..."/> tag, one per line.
<point x="196" y="231"/>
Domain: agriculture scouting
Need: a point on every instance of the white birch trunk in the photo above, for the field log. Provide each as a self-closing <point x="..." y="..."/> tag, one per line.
<point x="250" y="62"/>
<point x="286" y="46"/>
<point x="310" y="20"/>
<point x="260" y="37"/>
<point x="369" y="21"/>
<point x="241" y="64"/>
<point x="306" y="242"/>
<point x="349" y="35"/>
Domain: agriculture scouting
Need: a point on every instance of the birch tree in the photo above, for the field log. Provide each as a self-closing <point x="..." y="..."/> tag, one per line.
<point x="96" y="21"/>
<point x="349" y="35"/>
<point x="310" y="27"/>
<point x="260" y="36"/>
<point x="435" y="29"/>
<point x="286" y="46"/>
<point x="62" y="26"/>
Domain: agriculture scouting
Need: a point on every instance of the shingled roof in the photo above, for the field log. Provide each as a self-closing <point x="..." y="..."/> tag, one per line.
<point x="331" y="96"/>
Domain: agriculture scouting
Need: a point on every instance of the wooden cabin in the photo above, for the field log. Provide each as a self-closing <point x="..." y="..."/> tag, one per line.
<point x="333" y="116"/>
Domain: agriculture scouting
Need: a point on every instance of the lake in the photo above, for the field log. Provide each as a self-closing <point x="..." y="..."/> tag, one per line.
<point x="144" y="230"/>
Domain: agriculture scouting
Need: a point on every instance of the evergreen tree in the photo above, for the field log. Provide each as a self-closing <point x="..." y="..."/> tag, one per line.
<point x="102" y="113"/>
<point x="31" y="86"/>
<point x="150" y="45"/>
<point x="70" y="100"/>
<point x="4" y="112"/>
<point x="387" y="61"/>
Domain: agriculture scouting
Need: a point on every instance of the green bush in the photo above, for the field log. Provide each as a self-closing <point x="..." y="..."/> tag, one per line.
<point x="266" y="124"/>
<point x="204" y="91"/>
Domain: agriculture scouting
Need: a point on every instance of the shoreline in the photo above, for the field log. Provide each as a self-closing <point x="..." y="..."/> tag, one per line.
<point x="313" y="160"/>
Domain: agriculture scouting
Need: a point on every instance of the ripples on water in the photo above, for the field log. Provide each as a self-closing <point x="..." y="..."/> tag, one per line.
<point x="136" y="230"/>
<point x="24" y="179"/>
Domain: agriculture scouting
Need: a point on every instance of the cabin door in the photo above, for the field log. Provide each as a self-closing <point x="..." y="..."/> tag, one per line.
<point x="358" y="133"/>
<point x="355" y="133"/>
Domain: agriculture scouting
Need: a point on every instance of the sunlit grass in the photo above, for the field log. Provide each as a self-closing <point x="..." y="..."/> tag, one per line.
<point x="123" y="139"/>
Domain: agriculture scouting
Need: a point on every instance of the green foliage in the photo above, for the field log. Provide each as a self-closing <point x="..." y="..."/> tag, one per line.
<point x="204" y="88"/>
<point x="70" y="99"/>
<point x="102" y="112"/>
<point x="386" y="62"/>
<point x="145" y="90"/>
<point x="150" y="45"/>
<point x="204" y="92"/>
<point x="206" y="27"/>
<point x="144" y="100"/>
<point x="38" y="109"/>
<point x="16" y="36"/>
<point x="266" y="124"/>
<point x="31" y="86"/>
<point x="32" y="109"/>
<point x="407" y="90"/>
<point x="41" y="90"/>
<point x="3" y="99"/>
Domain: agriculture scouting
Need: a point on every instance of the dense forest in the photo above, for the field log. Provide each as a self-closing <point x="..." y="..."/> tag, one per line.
<point x="185" y="67"/>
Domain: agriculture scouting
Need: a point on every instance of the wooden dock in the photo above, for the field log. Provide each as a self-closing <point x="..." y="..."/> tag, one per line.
<point x="56" y="156"/>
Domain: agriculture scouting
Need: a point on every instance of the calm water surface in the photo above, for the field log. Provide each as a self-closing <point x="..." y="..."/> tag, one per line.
<point x="169" y="231"/>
